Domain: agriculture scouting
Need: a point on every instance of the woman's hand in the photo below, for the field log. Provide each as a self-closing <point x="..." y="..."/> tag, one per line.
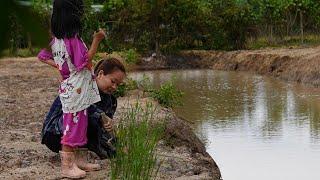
<point x="108" y="126"/>
<point x="100" y="35"/>
<point x="107" y="122"/>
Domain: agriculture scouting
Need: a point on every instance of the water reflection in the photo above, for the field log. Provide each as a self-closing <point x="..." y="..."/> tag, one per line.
<point x="247" y="119"/>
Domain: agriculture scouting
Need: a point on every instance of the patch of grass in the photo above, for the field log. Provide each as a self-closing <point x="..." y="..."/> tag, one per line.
<point x="167" y="94"/>
<point x="289" y="41"/>
<point x="20" y="52"/>
<point x="136" y="144"/>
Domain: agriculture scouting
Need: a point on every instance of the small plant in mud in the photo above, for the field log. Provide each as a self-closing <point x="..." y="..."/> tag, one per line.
<point x="136" y="144"/>
<point x="167" y="95"/>
<point x="123" y="88"/>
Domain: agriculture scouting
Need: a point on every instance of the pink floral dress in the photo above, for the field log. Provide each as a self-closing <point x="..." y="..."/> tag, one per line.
<point x="77" y="91"/>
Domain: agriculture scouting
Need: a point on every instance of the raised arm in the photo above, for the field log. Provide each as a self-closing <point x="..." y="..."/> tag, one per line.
<point x="81" y="57"/>
<point x="97" y="38"/>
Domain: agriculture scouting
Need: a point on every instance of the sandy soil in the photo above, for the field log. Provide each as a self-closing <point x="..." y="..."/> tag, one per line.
<point x="27" y="90"/>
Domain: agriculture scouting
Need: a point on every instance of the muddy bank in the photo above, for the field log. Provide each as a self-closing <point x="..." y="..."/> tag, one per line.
<point x="27" y="90"/>
<point x="297" y="65"/>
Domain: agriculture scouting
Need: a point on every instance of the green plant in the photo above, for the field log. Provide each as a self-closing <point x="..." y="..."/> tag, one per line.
<point x="128" y="85"/>
<point x="96" y="58"/>
<point x="130" y="56"/>
<point x="92" y="21"/>
<point x="16" y="34"/>
<point x="137" y="138"/>
<point x="28" y="20"/>
<point x="145" y="84"/>
<point x="121" y="91"/>
<point x="167" y="95"/>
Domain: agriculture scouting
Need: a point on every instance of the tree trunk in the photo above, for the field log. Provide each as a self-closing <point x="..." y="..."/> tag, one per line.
<point x="301" y="27"/>
<point x="288" y="17"/>
<point x="271" y="34"/>
<point x="155" y="19"/>
<point x="30" y="44"/>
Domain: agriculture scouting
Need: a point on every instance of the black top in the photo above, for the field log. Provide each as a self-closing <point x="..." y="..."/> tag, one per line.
<point x="99" y="140"/>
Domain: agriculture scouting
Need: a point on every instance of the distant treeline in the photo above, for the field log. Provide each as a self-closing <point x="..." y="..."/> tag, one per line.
<point x="171" y="25"/>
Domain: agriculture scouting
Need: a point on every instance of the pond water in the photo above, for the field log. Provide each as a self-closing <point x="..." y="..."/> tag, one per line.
<point x="255" y="128"/>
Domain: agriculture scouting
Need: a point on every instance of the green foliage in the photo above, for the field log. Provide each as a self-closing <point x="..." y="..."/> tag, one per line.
<point x="123" y="88"/>
<point x="130" y="56"/>
<point x="90" y="22"/>
<point x="27" y="22"/>
<point x="42" y="8"/>
<point x="16" y="34"/>
<point x="137" y="138"/>
<point x="234" y="20"/>
<point x="121" y="91"/>
<point x="290" y="41"/>
<point x="96" y="58"/>
<point x="167" y="95"/>
<point x="145" y="84"/>
<point x="21" y="52"/>
<point x="169" y="26"/>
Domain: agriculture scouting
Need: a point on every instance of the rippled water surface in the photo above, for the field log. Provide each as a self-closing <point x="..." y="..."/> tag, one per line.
<point x="256" y="128"/>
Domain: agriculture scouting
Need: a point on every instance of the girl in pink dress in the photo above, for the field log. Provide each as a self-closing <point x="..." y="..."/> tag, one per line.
<point x="78" y="88"/>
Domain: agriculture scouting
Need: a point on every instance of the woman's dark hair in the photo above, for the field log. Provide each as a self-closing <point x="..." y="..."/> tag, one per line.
<point x="66" y="17"/>
<point x="108" y="66"/>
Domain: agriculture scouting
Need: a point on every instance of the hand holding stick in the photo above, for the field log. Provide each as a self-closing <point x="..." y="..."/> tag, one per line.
<point x="107" y="123"/>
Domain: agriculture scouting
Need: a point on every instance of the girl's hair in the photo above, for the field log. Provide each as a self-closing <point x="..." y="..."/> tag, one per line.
<point x="108" y="66"/>
<point x="66" y="17"/>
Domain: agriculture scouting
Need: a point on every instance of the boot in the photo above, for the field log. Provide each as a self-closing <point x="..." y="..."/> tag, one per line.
<point x="82" y="161"/>
<point x="69" y="169"/>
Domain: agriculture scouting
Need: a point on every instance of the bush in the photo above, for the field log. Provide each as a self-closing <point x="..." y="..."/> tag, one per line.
<point x="167" y="95"/>
<point x="128" y="85"/>
<point x="16" y="35"/>
<point x="130" y="56"/>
